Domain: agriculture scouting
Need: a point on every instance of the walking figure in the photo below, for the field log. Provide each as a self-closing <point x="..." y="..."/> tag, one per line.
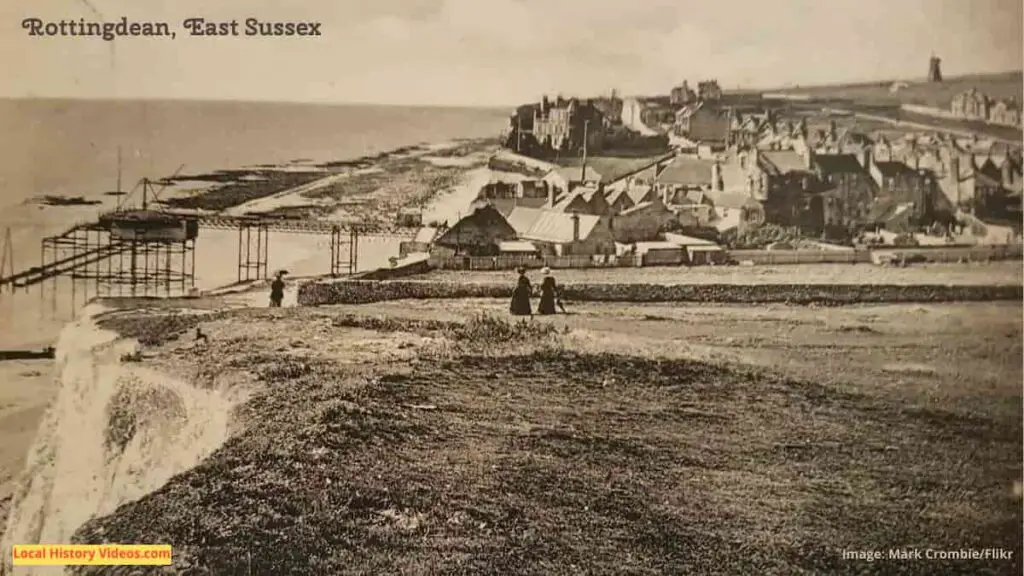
<point x="521" y="296"/>
<point x="277" y="290"/>
<point x="549" y="294"/>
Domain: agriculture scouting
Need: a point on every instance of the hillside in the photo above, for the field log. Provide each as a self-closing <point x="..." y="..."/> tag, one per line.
<point x="1003" y="85"/>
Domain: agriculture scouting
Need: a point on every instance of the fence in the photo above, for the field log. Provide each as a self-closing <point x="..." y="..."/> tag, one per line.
<point x="800" y="256"/>
<point x="513" y="261"/>
<point x="757" y="257"/>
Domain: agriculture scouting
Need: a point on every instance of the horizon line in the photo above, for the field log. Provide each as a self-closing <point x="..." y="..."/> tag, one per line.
<point x="736" y="89"/>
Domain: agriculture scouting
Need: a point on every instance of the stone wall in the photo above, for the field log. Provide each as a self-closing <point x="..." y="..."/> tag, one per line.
<point x="366" y="291"/>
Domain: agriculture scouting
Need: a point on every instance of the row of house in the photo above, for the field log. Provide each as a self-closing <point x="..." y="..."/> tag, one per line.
<point x="975" y="105"/>
<point x="540" y="233"/>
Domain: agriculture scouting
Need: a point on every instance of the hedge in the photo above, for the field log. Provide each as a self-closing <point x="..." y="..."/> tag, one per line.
<point x="366" y="291"/>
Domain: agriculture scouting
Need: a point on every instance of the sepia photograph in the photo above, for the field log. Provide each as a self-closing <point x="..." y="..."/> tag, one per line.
<point x="525" y="287"/>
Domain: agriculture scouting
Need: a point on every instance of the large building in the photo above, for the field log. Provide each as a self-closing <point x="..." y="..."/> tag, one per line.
<point x="562" y="127"/>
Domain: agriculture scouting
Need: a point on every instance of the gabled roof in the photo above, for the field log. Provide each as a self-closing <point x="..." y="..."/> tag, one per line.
<point x="569" y="200"/>
<point x="550" y="226"/>
<point x="686" y="171"/>
<point x="621" y="194"/>
<point x="638" y="193"/>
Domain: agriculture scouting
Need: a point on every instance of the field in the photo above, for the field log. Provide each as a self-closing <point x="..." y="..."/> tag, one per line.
<point x="995" y="273"/>
<point x="940" y="95"/>
<point x="425" y="438"/>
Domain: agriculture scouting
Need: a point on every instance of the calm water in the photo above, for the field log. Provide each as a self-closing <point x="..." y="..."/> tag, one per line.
<point x="70" y="148"/>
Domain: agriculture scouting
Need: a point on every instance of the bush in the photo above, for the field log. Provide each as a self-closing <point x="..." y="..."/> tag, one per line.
<point x="363" y="292"/>
<point x="756" y="238"/>
<point x="488" y="329"/>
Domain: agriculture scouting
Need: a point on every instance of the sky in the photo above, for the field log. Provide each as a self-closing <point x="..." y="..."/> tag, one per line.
<point x="501" y="52"/>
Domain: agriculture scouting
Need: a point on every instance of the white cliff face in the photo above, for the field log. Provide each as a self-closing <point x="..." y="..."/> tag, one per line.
<point x="115" y="432"/>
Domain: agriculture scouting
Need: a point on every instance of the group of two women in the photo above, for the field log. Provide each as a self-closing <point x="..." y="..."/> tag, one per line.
<point x="524" y="290"/>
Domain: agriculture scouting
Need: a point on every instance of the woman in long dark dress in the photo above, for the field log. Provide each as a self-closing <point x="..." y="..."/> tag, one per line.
<point x="521" y="296"/>
<point x="548" y="294"/>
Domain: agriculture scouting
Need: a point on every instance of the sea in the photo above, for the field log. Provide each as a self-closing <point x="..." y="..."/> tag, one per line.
<point x="75" y="148"/>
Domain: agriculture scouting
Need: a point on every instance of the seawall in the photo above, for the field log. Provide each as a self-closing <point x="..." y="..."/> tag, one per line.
<point x="367" y="291"/>
<point x="115" y="432"/>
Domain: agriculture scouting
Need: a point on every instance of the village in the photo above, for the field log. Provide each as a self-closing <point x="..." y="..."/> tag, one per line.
<point x="706" y="176"/>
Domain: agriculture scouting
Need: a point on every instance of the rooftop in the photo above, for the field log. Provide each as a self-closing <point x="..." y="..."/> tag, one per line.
<point x="608" y="169"/>
<point x="548" y="225"/>
<point x="779" y="162"/>
<point x="893" y="168"/>
<point x="687" y="171"/>
<point x="838" y="163"/>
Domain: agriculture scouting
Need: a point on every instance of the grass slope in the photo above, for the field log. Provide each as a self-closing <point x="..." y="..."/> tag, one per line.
<point x="426" y="446"/>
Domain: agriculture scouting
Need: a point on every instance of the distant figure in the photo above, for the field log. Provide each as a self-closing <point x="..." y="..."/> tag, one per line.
<point x="277" y="290"/>
<point x="200" y="337"/>
<point x="521" y="296"/>
<point x="548" y="294"/>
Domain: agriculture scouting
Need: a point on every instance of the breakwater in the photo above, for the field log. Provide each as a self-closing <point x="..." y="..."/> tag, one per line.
<point x="368" y="291"/>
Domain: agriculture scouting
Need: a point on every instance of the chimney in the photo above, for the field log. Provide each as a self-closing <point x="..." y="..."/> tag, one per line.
<point x="716" y="177"/>
<point x="809" y="158"/>
<point x="575" y="227"/>
<point x="552" y="198"/>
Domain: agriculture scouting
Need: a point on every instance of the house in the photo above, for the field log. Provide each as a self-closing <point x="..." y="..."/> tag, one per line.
<point x="709" y="90"/>
<point x="704" y="124"/>
<point x="706" y="255"/>
<point x="684" y="174"/>
<point x="899" y="184"/>
<point x="642" y="222"/>
<point x="734" y="211"/>
<point x="556" y="127"/>
<point x="682" y="95"/>
<point x="844" y="193"/>
<point x="585" y="200"/>
<point x="478" y="234"/>
<point x="972" y="105"/>
<point x="656" y="112"/>
<point x="1006" y="112"/>
<point x="659" y="253"/>
<point x="563" y="234"/>
<point x="694" y="209"/>
<point x="780" y="178"/>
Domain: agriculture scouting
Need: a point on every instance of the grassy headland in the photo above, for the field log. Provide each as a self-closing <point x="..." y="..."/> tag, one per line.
<point x="423" y="438"/>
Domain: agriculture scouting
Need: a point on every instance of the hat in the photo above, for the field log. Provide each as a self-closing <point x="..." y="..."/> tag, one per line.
<point x="545" y="271"/>
<point x="521" y="270"/>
